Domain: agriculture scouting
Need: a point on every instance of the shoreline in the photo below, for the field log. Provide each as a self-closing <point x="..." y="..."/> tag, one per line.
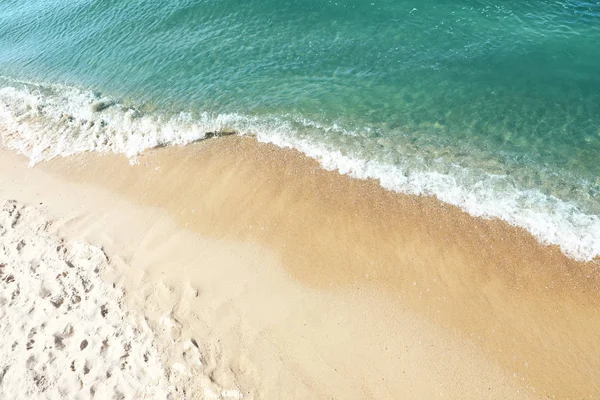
<point x="526" y="307"/>
<point x="550" y="213"/>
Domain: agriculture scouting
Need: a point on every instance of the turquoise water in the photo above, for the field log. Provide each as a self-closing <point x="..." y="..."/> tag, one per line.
<point x="492" y="106"/>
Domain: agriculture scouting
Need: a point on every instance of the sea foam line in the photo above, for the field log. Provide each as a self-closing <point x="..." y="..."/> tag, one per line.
<point x="47" y="121"/>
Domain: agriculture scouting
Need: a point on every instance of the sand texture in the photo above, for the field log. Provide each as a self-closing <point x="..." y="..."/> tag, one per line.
<point x="301" y="283"/>
<point x="65" y="332"/>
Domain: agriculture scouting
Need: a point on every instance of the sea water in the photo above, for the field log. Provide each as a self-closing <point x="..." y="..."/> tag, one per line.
<point x="493" y="106"/>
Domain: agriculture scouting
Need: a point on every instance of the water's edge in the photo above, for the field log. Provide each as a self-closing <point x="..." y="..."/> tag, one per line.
<point x="47" y="121"/>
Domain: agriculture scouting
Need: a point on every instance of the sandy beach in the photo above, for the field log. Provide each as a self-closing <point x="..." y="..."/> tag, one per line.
<point x="294" y="282"/>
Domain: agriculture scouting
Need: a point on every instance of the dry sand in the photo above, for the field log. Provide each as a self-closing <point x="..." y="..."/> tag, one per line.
<point x="66" y="332"/>
<point x="301" y="283"/>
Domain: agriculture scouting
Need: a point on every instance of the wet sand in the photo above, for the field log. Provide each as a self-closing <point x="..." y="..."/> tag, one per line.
<point x="356" y="292"/>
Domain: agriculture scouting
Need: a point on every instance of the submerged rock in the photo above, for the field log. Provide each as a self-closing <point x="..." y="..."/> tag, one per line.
<point x="102" y="105"/>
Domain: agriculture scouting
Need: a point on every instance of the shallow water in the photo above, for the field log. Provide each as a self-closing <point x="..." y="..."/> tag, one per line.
<point x="494" y="107"/>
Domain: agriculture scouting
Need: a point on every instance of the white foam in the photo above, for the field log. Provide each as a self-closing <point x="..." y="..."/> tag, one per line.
<point x="551" y="220"/>
<point x="61" y="122"/>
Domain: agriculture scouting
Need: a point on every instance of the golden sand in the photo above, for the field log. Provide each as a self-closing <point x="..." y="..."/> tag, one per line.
<point x="463" y="295"/>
